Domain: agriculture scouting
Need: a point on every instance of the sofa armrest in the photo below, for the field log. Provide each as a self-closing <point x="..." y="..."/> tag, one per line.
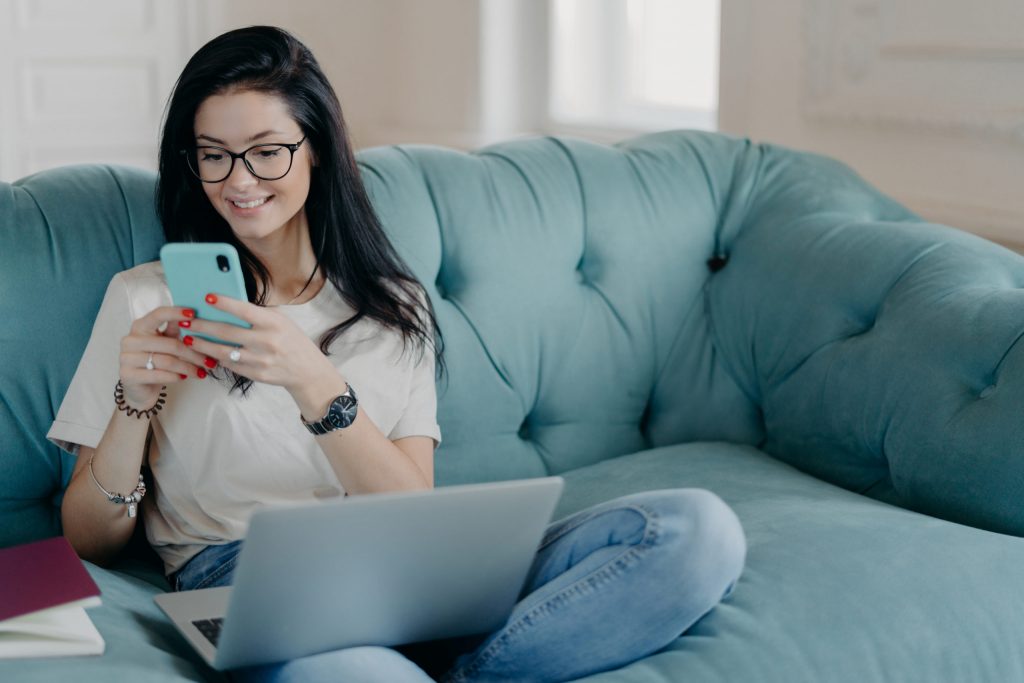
<point x="884" y="351"/>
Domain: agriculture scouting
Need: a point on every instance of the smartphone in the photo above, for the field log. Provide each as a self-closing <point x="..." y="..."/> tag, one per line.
<point x="195" y="269"/>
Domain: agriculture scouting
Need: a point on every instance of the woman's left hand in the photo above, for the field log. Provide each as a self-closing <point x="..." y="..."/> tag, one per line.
<point x="274" y="350"/>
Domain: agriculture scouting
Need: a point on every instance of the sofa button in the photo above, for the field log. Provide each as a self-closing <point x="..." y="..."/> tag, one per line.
<point x="987" y="391"/>
<point x="717" y="262"/>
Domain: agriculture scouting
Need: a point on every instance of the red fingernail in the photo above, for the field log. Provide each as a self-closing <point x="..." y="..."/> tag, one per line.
<point x="201" y="373"/>
<point x="182" y="376"/>
<point x="211" y="298"/>
<point x="188" y="312"/>
<point x="184" y="323"/>
<point x="188" y="340"/>
<point x="210" y="363"/>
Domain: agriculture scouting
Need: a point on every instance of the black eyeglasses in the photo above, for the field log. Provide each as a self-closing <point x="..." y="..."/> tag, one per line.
<point x="267" y="162"/>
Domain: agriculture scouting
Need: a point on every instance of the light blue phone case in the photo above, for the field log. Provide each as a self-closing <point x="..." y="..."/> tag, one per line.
<point x="192" y="272"/>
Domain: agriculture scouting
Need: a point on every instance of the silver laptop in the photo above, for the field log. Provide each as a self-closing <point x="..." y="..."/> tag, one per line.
<point x="382" y="569"/>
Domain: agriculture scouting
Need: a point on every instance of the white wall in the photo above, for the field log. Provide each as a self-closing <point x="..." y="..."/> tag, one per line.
<point x="404" y="70"/>
<point x="460" y="73"/>
<point x="925" y="98"/>
<point x="87" y="82"/>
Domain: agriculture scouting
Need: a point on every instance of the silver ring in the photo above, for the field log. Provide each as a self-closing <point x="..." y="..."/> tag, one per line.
<point x="149" y="362"/>
<point x="235" y="355"/>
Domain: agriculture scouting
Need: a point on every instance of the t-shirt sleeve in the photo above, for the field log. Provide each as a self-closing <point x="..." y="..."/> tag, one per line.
<point x="89" y="402"/>
<point x="420" y="416"/>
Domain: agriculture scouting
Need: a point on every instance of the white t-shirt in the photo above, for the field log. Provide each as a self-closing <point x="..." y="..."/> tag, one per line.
<point x="217" y="457"/>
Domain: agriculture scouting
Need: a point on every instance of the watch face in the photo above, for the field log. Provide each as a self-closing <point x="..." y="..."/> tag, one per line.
<point x="342" y="412"/>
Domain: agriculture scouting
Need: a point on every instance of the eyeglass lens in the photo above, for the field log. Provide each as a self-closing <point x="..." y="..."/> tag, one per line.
<point x="267" y="162"/>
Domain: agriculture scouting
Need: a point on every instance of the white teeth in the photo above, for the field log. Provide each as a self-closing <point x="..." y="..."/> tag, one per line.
<point x="250" y="205"/>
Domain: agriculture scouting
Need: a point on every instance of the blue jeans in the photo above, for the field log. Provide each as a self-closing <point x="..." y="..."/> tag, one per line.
<point x="609" y="585"/>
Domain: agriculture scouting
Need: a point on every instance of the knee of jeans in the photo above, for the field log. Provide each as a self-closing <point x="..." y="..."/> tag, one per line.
<point x="700" y="534"/>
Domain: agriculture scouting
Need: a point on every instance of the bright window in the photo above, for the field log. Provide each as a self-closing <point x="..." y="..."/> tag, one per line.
<point x="635" y="64"/>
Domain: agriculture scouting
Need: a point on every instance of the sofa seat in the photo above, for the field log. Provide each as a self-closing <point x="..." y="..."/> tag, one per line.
<point x="815" y="551"/>
<point x="838" y="587"/>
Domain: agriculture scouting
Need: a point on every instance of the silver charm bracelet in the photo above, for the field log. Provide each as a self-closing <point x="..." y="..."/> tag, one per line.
<point x="132" y="500"/>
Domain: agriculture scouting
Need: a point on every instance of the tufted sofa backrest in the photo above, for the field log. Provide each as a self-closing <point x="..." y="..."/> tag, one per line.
<point x="569" y="282"/>
<point x="597" y="301"/>
<point x="63" y="235"/>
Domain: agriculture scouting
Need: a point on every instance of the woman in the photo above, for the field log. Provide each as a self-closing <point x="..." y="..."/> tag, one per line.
<point x="255" y="153"/>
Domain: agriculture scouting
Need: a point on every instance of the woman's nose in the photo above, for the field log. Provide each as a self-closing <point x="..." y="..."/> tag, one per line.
<point x="240" y="176"/>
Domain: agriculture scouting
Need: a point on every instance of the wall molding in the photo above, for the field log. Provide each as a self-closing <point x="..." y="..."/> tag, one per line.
<point x="866" y="64"/>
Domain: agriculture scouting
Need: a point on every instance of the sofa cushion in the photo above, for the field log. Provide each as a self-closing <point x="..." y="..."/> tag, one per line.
<point x="838" y="587"/>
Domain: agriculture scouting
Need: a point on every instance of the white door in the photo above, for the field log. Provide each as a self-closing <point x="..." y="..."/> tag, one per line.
<point x="86" y="81"/>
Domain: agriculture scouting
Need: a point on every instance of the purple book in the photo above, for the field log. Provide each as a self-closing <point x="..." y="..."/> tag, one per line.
<point x="40" y="575"/>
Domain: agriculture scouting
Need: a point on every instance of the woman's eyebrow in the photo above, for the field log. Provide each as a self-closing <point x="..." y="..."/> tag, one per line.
<point x="252" y="139"/>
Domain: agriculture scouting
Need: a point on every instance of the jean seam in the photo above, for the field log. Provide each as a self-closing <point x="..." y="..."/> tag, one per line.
<point x="224" y="568"/>
<point x="647" y="514"/>
<point x="611" y="569"/>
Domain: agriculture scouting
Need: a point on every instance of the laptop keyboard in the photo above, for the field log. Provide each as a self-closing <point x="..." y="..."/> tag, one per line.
<point x="210" y="628"/>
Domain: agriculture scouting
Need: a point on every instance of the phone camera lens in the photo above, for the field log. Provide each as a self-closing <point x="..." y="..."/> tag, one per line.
<point x="222" y="263"/>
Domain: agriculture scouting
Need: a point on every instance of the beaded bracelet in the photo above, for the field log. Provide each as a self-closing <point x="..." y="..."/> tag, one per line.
<point x="131" y="500"/>
<point x="123" y="405"/>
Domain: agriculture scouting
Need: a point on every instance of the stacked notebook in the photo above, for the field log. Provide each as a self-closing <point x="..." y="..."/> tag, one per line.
<point x="44" y="590"/>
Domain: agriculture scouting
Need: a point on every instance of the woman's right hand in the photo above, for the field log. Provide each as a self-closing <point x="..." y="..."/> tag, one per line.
<point x="156" y="333"/>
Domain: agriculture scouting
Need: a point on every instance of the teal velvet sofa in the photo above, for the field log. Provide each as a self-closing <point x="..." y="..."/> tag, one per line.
<point x="683" y="309"/>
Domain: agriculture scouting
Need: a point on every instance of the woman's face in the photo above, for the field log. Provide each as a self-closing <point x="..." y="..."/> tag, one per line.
<point x="254" y="208"/>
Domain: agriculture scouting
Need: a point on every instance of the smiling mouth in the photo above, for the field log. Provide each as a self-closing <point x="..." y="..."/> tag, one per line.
<point x="251" y="204"/>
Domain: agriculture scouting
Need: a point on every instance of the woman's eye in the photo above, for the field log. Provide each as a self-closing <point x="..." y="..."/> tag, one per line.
<point x="268" y="153"/>
<point x="210" y="156"/>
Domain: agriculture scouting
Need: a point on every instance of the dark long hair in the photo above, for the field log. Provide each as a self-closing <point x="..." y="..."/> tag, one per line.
<point x="350" y="245"/>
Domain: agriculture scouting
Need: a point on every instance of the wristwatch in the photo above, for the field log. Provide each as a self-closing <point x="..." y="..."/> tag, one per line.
<point x="340" y="414"/>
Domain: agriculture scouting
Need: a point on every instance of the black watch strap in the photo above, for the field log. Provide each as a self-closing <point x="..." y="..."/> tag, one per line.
<point x="315" y="428"/>
<point x="340" y="414"/>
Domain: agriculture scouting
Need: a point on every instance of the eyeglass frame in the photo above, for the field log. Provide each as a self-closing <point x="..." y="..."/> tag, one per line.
<point x="291" y="147"/>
